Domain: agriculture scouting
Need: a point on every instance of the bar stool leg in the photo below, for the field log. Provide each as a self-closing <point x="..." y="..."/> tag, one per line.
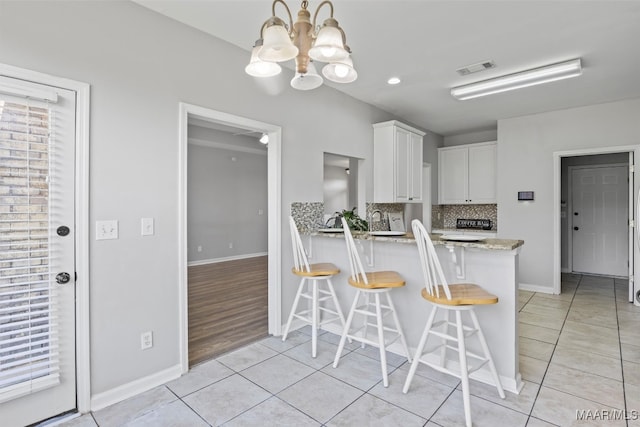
<point x="335" y="302"/>
<point x="294" y="307"/>
<point x="464" y="370"/>
<point x="381" y="345"/>
<point x="398" y="328"/>
<point x="445" y="330"/>
<point x="346" y="329"/>
<point x="367" y="302"/>
<point x="487" y="354"/>
<point x="421" y="345"/>
<point x="314" y="319"/>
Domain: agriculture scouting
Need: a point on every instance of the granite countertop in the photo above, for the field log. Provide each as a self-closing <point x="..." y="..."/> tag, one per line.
<point x="484" y="243"/>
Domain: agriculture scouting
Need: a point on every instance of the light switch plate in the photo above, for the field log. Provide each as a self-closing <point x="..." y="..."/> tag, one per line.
<point x="147" y="226"/>
<point x="107" y="230"/>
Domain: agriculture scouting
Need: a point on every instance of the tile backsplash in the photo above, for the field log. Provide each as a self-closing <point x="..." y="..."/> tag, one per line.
<point x="309" y="216"/>
<point x="450" y="213"/>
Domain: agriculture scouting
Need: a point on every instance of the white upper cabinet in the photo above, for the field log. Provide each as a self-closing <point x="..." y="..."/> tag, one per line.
<point x="467" y="174"/>
<point x="397" y="163"/>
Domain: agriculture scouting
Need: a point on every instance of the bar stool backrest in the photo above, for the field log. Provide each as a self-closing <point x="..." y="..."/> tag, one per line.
<point x="357" y="272"/>
<point x="431" y="268"/>
<point x="300" y="260"/>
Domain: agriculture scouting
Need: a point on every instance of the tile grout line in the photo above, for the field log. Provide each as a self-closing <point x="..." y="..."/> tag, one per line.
<point x="554" y="348"/>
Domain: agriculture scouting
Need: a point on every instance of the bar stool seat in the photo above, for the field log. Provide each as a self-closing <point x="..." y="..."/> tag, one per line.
<point x="316" y="288"/>
<point x="456" y="299"/>
<point x="315" y="270"/>
<point x="371" y="284"/>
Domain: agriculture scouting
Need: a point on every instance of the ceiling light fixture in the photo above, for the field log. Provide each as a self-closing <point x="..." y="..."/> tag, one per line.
<point x="305" y="42"/>
<point x="536" y="76"/>
<point x="394" y="81"/>
<point x="264" y="138"/>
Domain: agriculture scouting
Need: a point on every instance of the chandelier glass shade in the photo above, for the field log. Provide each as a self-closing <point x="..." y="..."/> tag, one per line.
<point x="260" y="68"/>
<point x="304" y="42"/>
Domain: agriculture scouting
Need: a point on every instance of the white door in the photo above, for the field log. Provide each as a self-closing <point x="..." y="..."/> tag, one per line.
<point x="600" y="220"/>
<point x="37" y="272"/>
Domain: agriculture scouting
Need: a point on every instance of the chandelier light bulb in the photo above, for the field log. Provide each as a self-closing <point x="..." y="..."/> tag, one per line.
<point x="341" y="70"/>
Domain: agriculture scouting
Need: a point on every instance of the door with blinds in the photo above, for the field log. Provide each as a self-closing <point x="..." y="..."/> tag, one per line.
<point x="37" y="271"/>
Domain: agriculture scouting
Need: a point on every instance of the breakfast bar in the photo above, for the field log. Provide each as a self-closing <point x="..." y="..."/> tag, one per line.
<point x="490" y="263"/>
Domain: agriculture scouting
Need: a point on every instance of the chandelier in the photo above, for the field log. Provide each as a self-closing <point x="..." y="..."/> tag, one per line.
<point x="306" y="43"/>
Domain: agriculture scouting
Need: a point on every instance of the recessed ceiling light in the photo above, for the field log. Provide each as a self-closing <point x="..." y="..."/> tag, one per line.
<point x="264" y="138"/>
<point x="393" y="80"/>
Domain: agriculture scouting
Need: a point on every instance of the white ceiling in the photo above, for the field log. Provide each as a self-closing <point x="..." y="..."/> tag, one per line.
<point x="425" y="41"/>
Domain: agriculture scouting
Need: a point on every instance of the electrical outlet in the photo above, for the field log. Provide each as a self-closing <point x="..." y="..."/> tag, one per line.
<point x="199" y="248"/>
<point x="146" y="340"/>
<point x="230" y="245"/>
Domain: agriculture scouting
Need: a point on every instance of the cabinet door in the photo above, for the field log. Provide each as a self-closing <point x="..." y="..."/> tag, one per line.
<point x="415" y="171"/>
<point x="482" y="174"/>
<point x="402" y="164"/>
<point x="453" y="176"/>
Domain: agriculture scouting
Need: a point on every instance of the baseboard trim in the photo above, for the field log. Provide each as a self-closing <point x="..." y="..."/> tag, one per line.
<point x="535" y="288"/>
<point x="125" y="391"/>
<point x="229" y="258"/>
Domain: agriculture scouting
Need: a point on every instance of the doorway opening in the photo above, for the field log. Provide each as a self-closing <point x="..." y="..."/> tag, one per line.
<point x="219" y="247"/>
<point x="226" y="238"/>
<point x="594" y="231"/>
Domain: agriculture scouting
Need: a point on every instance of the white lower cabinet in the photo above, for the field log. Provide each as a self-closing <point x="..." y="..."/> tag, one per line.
<point x="467" y="174"/>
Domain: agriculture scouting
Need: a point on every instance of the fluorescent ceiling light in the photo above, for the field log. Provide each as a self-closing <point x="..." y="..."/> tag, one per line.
<point x="536" y="76"/>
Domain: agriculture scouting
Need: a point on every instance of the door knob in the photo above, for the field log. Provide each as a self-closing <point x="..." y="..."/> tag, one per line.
<point x="576" y="228"/>
<point x="575" y="213"/>
<point x="62" y="278"/>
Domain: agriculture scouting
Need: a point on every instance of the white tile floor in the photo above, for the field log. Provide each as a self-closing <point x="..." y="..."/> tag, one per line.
<point x="579" y="351"/>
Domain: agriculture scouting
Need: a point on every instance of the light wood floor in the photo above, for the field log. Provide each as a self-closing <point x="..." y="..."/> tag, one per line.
<point x="227" y="306"/>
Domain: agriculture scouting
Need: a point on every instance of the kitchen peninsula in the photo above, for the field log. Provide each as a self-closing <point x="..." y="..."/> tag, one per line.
<point x="491" y="263"/>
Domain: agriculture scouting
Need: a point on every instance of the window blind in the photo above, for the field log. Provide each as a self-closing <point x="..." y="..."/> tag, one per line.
<point x="28" y="343"/>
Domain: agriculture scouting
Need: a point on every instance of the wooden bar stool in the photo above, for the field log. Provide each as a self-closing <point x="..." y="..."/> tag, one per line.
<point x="312" y="290"/>
<point x="372" y="284"/>
<point x="458" y="298"/>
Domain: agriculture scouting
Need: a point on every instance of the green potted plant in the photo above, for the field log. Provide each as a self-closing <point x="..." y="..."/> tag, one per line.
<point x="353" y="220"/>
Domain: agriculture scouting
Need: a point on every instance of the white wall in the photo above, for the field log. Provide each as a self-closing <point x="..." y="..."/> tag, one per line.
<point x="140" y="66"/>
<point x="525" y="162"/>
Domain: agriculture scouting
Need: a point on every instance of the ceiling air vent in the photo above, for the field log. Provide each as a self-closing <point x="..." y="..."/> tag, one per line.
<point x="474" y="68"/>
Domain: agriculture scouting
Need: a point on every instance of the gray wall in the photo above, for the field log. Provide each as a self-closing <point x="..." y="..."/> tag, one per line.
<point x="140" y="66"/>
<point x="525" y="162"/>
<point x="471" y="137"/>
<point x="336" y="189"/>
<point x="601" y="159"/>
<point x="226" y="191"/>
